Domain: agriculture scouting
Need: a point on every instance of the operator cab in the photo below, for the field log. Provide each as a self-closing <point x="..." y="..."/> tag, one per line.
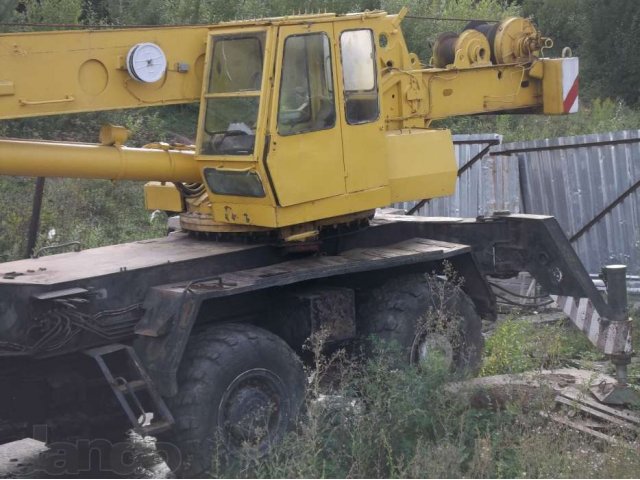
<point x="291" y="137"/>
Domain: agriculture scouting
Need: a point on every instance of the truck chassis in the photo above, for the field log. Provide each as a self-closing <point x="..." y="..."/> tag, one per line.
<point x="103" y="332"/>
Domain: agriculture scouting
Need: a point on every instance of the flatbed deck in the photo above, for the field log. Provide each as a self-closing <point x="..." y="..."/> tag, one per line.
<point x="96" y="262"/>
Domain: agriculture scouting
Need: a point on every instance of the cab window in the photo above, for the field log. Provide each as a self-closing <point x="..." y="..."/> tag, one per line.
<point x="359" y="76"/>
<point x="306" y="90"/>
<point x="233" y="94"/>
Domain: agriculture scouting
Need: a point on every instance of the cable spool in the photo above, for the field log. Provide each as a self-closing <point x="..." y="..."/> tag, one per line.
<point x="444" y="50"/>
<point x="517" y="40"/>
<point x="489" y="30"/>
<point x="513" y="40"/>
<point x="146" y="62"/>
<point x="469" y="49"/>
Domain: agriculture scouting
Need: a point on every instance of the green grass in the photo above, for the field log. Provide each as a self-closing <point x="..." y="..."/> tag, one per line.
<point x="517" y="346"/>
<point x="88" y="211"/>
<point x="388" y="422"/>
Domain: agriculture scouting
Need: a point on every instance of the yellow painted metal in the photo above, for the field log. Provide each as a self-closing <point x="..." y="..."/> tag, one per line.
<point x="304" y="166"/>
<point x="80" y="160"/>
<point x="473" y="49"/>
<point x="276" y="217"/>
<point x="58" y="72"/>
<point x="307" y="176"/>
<point x="447" y="93"/>
<point x="163" y="196"/>
<point x="204" y="222"/>
<point x="365" y="159"/>
<point x="434" y="176"/>
<point x="113" y="135"/>
<point x="553" y="98"/>
<point x="6" y="88"/>
<point x="253" y="161"/>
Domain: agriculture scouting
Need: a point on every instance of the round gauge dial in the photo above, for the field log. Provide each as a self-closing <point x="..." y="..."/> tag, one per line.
<point x="146" y="62"/>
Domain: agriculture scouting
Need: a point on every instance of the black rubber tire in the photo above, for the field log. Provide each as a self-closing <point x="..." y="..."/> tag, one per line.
<point x="214" y="360"/>
<point x="392" y="312"/>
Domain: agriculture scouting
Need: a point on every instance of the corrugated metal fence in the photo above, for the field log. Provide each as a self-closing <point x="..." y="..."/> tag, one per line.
<point x="590" y="183"/>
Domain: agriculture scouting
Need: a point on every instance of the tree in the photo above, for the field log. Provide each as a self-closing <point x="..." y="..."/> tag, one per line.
<point x="563" y="21"/>
<point x="51" y="11"/>
<point x="603" y="34"/>
<point x="610" y="60"/>
<point x="8" y="10"/>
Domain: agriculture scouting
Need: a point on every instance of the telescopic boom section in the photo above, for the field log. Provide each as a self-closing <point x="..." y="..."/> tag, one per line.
<point x="45" y="73"/>
<point x="57" y="159"/>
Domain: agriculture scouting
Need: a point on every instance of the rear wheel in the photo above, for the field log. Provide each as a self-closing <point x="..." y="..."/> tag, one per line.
<point x="422" y="315"/>
<point x="240" y="388"/>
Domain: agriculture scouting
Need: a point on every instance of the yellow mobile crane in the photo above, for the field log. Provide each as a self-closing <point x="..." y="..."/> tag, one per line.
<point x="307" y="124"/>
<point x="304" y="121"/>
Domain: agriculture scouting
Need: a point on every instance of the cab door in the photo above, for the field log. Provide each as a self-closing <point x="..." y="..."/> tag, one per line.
<point x="363" y="132"/>
<point x="305" y="159"/>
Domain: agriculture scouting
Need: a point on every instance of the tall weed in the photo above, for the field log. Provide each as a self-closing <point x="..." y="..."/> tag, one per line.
<point x="370" y="418"/>
<point x="517" y="346"/>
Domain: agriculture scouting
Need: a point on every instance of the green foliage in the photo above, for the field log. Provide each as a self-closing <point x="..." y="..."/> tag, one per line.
<point x="52" y="11"/>
<point x="374" y="420"/>
<point x="597" y="116"/>
<point x="517" y="346"/>
<point x="634" y="367"/>
<point x="15" y="202"/>
<point x="603" y="35"/>
<point x="89" y="211"/>
<point x="612" y="66"/>
<point x="172" y="123"/>
<point x="564" y="22"/>
<point x="152" y="12"/>
<point x="508" y="350"/>
<point x="94" y="212"/>
<point x="8" y="10"/>
<point x="380" y="425"/>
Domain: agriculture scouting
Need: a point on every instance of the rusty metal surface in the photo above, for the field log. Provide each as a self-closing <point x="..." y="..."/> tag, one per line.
<point x="409" y="252"/>
<point x="90" y="263"/>
<point x="87" y="298"/>
<point x="133" y="388"/>
<point x="508" y="244"/>
<point x="325" y="310"/>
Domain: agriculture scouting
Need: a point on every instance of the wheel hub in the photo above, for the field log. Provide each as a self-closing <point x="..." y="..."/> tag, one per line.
<point x="253" y="411"/>
<point x="428" y="345"/>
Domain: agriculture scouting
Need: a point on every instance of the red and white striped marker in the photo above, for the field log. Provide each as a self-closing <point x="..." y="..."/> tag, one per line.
<point x="570" y="82"/>
<point x="612" y="338"/>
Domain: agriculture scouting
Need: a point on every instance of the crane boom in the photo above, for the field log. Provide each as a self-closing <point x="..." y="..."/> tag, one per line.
<point x="45" y="73"/>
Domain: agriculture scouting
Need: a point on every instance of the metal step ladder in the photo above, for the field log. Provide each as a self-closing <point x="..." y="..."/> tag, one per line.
<point x="134" y="389"/>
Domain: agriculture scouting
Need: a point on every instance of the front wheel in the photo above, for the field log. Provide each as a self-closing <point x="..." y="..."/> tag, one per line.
<point x="240" y="388"/>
